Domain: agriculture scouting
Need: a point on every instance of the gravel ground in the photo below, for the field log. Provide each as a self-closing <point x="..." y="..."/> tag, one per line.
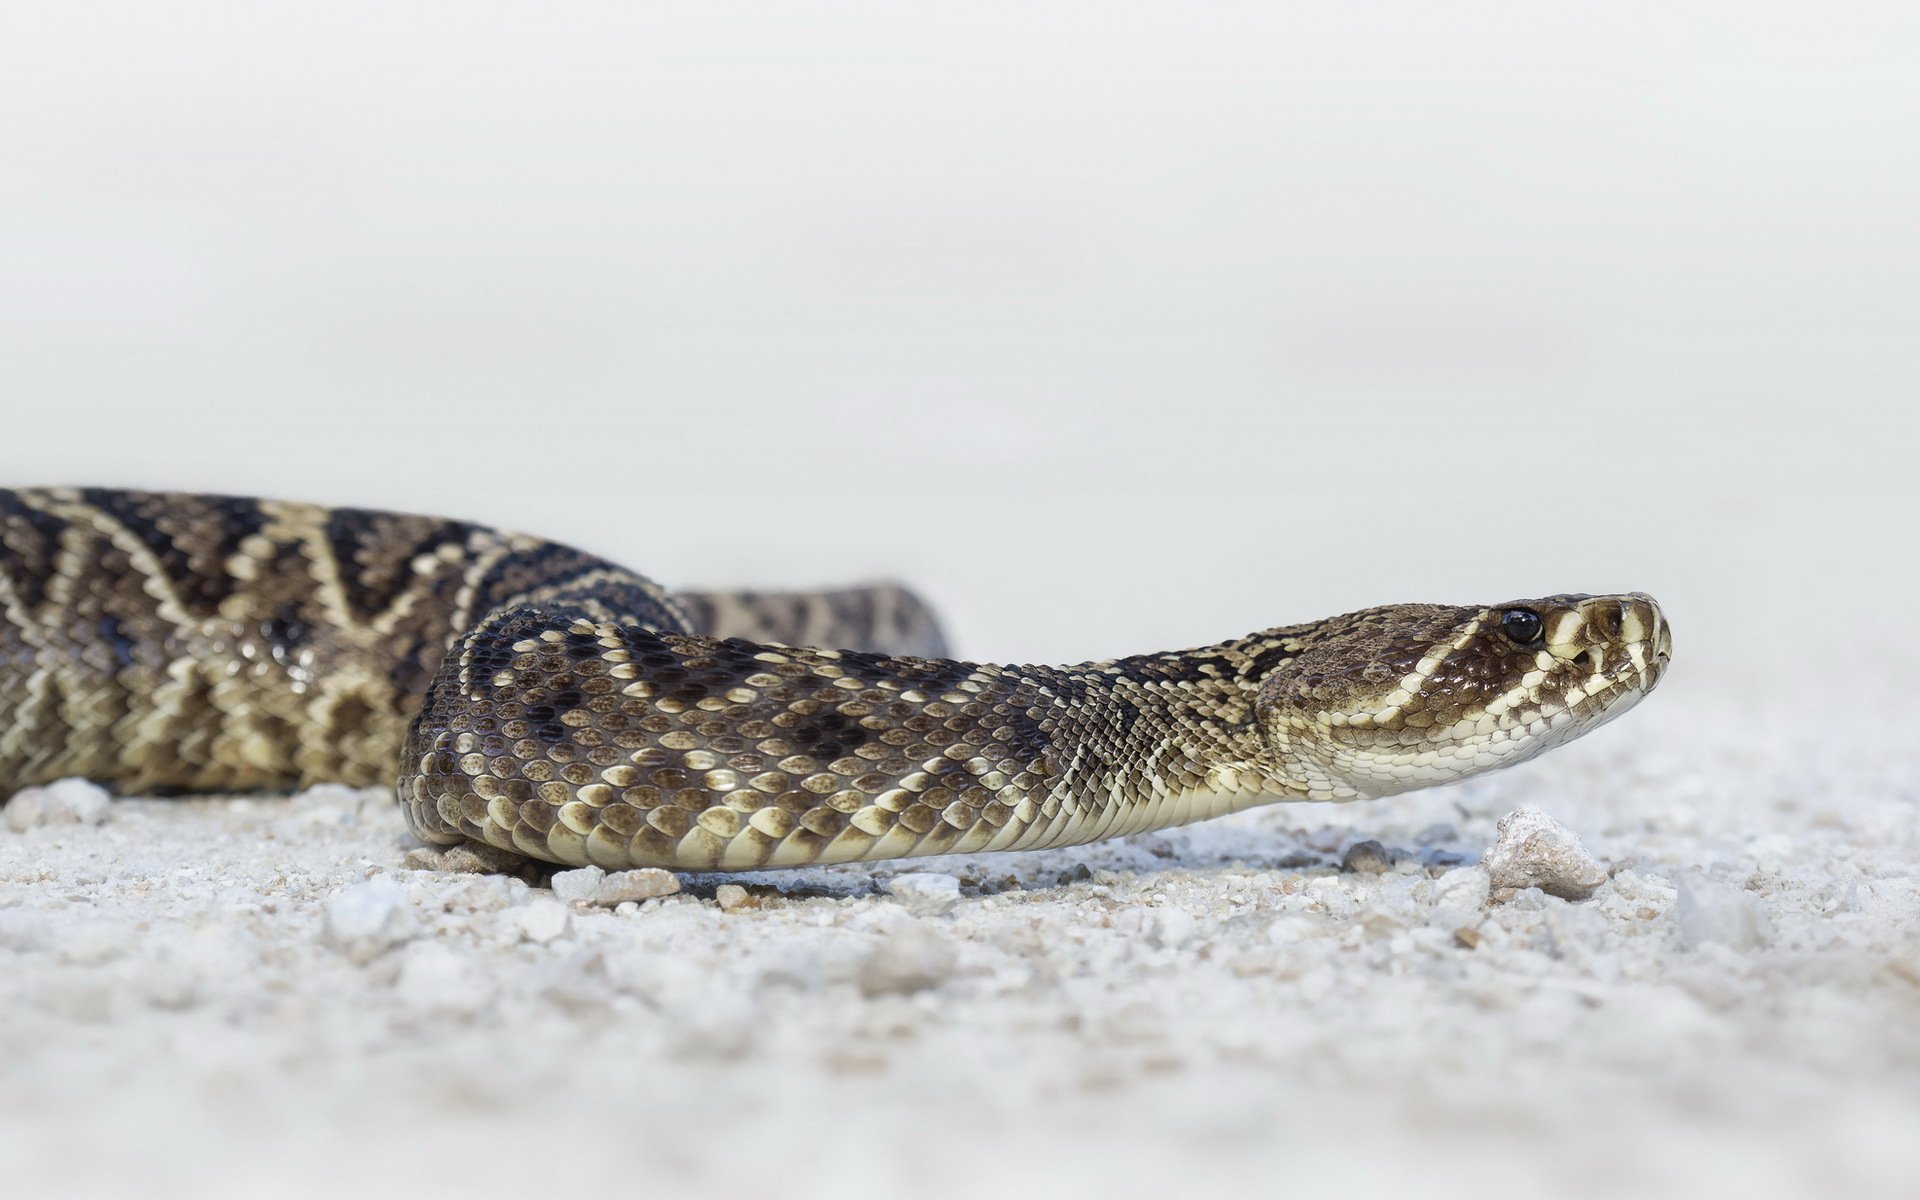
<point x="260" y="996"/>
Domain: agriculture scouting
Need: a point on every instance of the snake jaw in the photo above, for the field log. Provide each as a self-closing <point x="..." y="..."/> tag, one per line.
<point x="1451" y="693"/>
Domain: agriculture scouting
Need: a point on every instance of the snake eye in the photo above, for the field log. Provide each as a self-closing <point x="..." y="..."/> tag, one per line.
<point x="1523" y="625"/>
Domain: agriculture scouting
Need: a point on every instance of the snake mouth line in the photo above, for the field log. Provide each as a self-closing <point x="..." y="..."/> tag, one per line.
<point x="1604" y="697"/>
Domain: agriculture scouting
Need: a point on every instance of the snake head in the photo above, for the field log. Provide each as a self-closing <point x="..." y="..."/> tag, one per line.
<point x="1388" y="699"/>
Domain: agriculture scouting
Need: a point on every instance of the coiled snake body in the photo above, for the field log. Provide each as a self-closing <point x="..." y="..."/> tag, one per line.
<point x="547" y="703"/>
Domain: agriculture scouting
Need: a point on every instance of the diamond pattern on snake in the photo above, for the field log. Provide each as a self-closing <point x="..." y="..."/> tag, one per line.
<point x="540" y="701"/>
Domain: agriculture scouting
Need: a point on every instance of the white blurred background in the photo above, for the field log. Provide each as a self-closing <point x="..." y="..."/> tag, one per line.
<point x="1113" y="326"/>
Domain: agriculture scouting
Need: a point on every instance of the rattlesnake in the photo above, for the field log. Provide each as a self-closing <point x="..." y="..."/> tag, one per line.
<point x="544" y="702"/>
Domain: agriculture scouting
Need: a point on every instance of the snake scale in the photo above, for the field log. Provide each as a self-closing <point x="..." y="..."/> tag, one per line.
<point x="541" y="701"/>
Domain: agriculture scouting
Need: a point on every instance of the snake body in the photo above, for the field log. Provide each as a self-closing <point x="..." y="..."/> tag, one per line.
<point x="544" y="702"/>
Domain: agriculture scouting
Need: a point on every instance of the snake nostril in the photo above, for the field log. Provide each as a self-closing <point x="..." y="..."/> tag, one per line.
<point x="1583" y="660"/>
<point x="1607" y="617"/>
<point x="1614" y="620"/>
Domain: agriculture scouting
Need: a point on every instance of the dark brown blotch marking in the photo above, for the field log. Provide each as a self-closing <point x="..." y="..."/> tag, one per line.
<point x="191" y="537"/>
<point x="826" y="736"/>
<point x="114" y="636"/>
<point x="29" y="547"/>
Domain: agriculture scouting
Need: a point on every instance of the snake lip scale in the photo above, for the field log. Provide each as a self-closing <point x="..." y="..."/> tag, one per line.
<point x="547" y="704"/>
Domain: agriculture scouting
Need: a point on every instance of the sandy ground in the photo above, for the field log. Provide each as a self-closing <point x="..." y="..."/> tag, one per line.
<point x="258" y="997"/>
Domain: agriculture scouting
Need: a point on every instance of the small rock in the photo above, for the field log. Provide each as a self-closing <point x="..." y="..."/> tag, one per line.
<point x="1534" y="850"/>
<point x="469" y="858"/>
<point x="477" y="859"/>
<point x="1714" y="912"/>
<point x="1522" y="900"/>
<point x="1171" y="928"/>
<point x="439" y="979"/>
<point x="1459" y="896"/>
<point x="911" y="959"/>
<point x="577" y="886"/>
<point x="541" y="921"/>
<point x="1378" y="924"/>
<point x="623" y="887"/>
<point x="710" y="1024"/>
<point x="731" y="897"/>
<point x="482" y="893"/>
<point x="25" y="932"/>
<point x="1634" y="897"/>
<point x="590" y="886"/>
<point x="325" y="804"/>
<point x="364" y="919"/>
<point x="63" y="802"/>
<point x="579" y="983"/>
<point x="1905" y="965"/>
<point x="94" y="944"/>
<point x="925" y="893"/>
<point x="1462" y="887"/>
<point x="169" y="984"/>
<point x="1367" y="858"/>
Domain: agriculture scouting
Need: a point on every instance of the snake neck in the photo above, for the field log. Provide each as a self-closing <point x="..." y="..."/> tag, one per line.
<point x="580" y="741"/>
<point x="1146" y="742"/>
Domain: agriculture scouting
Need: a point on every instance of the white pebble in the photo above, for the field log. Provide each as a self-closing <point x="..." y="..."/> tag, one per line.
<point x="481" y="893"/>
<point x="709" y="1024"/>
<point x="325" y="804"/>
<point x="1708" y="911"/>
<point x="94" y="944"/>
<point x="474" y="858"/>
<point x="1462" y="887"/>
<point x="577" y="886"/>
<point x="25" y="932"/>
<point x="541" y="921"/>
<point x="63" y="802"/>
<point x="364" y="919"/>
<point x="624" y="887"/>
<point x="1459" y="898"/>
<point x="1905" y="965"/>
<point x="1172" y="928"/>
<point x="1771" y="853"/>
<point x="169" y="983"/>
<point x="925" y="893"/>
<point x="731" y="897"/>
<point x="579" y="982"/>
<point x="911" y="959"/>
<point x="797" y="965"/>
<point x="1534" y="850"/>
<point x="439" y="979"/>
<point x="590" y="886"/>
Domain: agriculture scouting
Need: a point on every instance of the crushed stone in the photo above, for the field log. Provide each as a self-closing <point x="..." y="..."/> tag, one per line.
<point x="925" y="893"/>
<point x="1532" y="850"/>
<point x="265" y="995"/>
<point x="63" y="802"/>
